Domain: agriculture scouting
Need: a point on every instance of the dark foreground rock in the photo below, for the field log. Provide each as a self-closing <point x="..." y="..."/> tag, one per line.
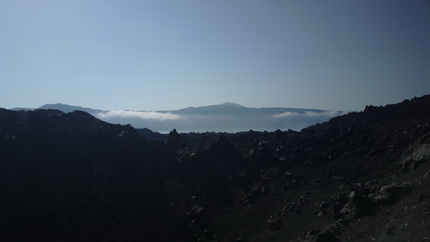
<point x="71" y="177"/>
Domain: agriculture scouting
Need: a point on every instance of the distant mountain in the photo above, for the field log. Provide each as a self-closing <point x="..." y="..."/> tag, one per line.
<point x="69" y="108"/>
<point x="220" y="109"/>
<point x="231" y="117"/>
<point x="21" y="109"/>
<point x="231" y="104"/>
<point x="226" y="117"/>
<point x="236" y="109"/>
<point x="226" y="105"/>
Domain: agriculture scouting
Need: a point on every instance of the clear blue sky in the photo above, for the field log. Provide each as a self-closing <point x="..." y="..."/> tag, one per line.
<point x="169" y="54"/>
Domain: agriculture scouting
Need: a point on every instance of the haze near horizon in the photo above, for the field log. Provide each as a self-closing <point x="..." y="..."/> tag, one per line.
<point x="167" y="55"/>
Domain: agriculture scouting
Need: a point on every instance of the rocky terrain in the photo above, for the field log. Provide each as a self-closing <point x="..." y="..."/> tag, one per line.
<point x="363" y="176"/>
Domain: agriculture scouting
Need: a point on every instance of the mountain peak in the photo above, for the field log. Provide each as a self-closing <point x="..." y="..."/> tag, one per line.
<point x="231" y="104"/>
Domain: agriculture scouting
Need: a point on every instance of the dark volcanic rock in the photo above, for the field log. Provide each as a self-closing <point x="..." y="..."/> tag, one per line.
<point x="72" y="177"/>
<point x="175" y="140"/>
<point x="275" y="223"/>
<point x="326" y="236"/>
<point x="358" y="204"/>
<point x="392" y="193"/>
<point x="320" y="236"/>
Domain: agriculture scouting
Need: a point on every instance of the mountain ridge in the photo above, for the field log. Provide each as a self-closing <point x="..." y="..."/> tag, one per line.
<point x="224" y="117"/>
<point x="67" y="107"/>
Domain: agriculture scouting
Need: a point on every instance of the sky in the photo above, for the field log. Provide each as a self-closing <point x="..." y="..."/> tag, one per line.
<point x="171" y="54"/>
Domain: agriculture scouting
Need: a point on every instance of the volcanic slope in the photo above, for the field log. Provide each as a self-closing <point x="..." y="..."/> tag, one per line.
<point x="362" y="176"/>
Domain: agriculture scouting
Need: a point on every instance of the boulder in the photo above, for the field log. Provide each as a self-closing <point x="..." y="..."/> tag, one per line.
<point x="392" y="193"/>
<point x="359" y="204"/>
<point x="427" y="174"/>
<point x="319" y="236"/>
<point x="326" y="236"/>
<point x="275" y="223"/>
<point x="199" y="217"/>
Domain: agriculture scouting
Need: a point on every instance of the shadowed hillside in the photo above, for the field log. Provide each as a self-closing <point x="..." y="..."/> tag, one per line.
<point x="359" y="177"/>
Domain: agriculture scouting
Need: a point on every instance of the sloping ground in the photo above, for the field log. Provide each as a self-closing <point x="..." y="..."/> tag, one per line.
<point x="301" y="182"/>
<point x="71" y="177"/>
<point x="359" y="177"/>
<point x="405" y="219"/>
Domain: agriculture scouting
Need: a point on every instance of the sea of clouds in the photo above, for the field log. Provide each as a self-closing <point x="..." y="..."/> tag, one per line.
<point x="165" y="121"/>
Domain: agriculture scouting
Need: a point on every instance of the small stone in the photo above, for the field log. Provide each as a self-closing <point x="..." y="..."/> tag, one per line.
<point x="274" y="223"/>
<point x="427" y="174"/>
<point x="324" y="204"/>
<point x="326" y="236"/>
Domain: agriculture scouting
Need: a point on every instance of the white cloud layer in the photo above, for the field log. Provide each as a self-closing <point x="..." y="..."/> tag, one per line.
<point x="306" y="114"/>
<point x="285" y="115"/>
<point x="137" y="114"/>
